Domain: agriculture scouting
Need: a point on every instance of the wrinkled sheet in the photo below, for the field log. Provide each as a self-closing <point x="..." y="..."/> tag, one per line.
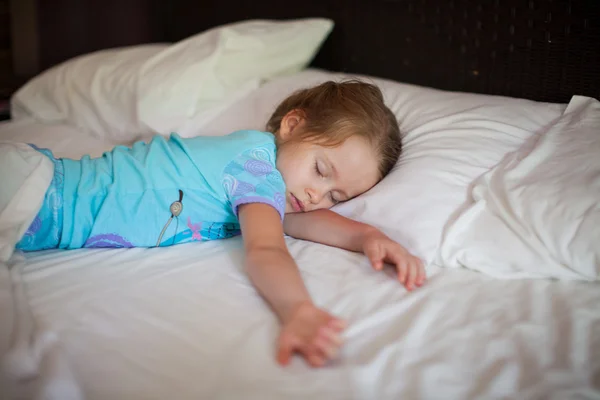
<point x="148" y="323"/>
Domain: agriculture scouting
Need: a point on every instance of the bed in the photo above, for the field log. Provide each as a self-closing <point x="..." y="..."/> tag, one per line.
<point x="185" y="322"/>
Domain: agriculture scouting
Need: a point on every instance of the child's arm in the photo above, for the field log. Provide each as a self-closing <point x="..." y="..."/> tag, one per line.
<point x="304" y="328"/>
<point x="327" y="227"/>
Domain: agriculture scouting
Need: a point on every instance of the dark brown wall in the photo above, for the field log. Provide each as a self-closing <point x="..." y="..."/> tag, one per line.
<point x="90" y="25"/>
<point x="6" y="73"/>
<point x="543" y="50"/>
<point x="37" y="34"/>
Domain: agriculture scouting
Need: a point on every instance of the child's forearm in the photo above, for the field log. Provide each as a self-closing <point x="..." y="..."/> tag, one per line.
<point x="275" y="274"/>
<point x="327" y="227"/>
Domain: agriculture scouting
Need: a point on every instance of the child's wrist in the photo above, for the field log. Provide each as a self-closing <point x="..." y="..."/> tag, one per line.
<point x="367" y="233"/>
<point x="295" y="309"/>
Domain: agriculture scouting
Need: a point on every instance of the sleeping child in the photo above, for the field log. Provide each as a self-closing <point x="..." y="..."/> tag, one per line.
<point x="322" y="146"/>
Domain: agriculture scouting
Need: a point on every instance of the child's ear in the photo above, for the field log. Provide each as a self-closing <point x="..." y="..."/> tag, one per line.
<point x="289" y="123"/>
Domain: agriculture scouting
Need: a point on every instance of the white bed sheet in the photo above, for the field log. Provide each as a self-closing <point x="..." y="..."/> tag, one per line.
<point x="185" y="322"/>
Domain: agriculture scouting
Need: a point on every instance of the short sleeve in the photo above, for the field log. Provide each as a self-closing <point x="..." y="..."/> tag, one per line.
<point x="253" y="178"/>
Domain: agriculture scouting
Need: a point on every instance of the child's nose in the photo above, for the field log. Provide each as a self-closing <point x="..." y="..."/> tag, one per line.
<point x="313" y="196"/>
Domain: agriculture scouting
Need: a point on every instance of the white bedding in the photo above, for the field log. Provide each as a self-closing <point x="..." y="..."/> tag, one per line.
<point x="184" y="322"/>
<point x="147" y="324"/>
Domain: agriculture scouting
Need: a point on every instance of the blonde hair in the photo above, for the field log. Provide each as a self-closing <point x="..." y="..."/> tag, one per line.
<point x="335" y="111"/>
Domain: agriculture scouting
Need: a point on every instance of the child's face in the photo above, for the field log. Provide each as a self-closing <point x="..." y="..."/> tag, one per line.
<point x="319" y="177"/>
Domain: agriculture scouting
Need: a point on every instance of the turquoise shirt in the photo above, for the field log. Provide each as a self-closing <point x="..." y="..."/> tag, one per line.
<point x="123" y="198"/>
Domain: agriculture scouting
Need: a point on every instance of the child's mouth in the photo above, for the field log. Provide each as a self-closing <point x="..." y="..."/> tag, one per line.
<point x="296" y="204"/>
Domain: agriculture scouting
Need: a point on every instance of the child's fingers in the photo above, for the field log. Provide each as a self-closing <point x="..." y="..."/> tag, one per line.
<point x="401" y="267"/>
<point x="331" y="336"/>
<point x="326" y="347"/>
<point x="375" y="256"/>
<point x="399" y="260"/>
<point x="316" y="360"/>
<point x="285" y="350"/>
<point x="411" y="275"/>
<point x="421" y="274"/>
<point x="336" y="324"/>
<point x="313" y="355"/>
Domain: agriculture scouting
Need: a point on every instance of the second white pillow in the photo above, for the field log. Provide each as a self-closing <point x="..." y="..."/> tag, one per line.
<point x="537" y="213"/>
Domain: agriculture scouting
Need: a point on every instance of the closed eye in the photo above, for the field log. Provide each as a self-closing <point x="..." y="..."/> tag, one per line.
<point x="317" y="169"/>
<point x="333" y="199"/>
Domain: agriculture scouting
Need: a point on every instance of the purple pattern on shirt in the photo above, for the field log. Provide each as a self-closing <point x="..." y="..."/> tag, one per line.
<point x="35" y="226"/>
<point x="256" y="199"/>
<point x="107" y="240"/>
<point x="242" y="188"/>
<point x="279" y="201"/>
<point x="258" y="167"/>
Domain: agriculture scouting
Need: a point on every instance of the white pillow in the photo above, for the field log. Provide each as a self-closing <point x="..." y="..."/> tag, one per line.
<point x="449" y="140"/>
<point x="537" y="213"/>
<point x="193" y="80"/>
<point x="95" y="92"/>
<point x="158" y="88"/>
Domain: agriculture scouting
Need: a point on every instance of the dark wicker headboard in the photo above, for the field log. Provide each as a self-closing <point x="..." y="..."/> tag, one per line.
<point x="543" y="50"/>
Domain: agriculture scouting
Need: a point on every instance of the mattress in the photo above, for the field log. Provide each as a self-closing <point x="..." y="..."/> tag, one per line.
<point x="185" y="322"/>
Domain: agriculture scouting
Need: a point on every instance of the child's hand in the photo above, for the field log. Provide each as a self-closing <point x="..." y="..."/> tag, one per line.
<point x="313" y="333"/>
<point x="379" y="249"/>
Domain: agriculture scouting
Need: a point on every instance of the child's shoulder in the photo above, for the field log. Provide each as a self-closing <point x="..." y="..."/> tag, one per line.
<point x="241" y="138"/>
<point x="222" y="149"/>
<point x="236" y="142"/>
<point x="253" y="144"/>
<point x="251" y="136"/>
